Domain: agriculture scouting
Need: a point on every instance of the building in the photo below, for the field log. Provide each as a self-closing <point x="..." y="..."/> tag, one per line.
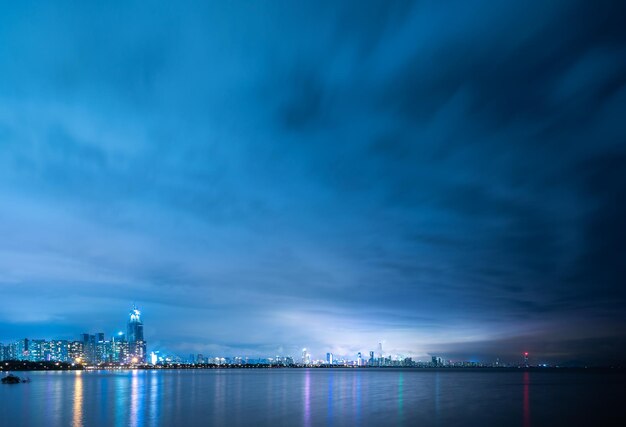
<point x="306" y="357"/>
<point x="59" y="351"/>
<point x="134" y="336"/>
<point x="329" y="358"/>
<point x="76" y="353"/>
<point x="37" y="350"/>
<point x="89" y="349"/>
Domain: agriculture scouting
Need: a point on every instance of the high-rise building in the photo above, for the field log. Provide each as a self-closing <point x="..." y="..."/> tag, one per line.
<point x="371" y="358"/>
<point x="102" y="348"/>
<point x="359" y="359"/>
<point x="36" y="349"/>
<point x="120" y="350"/>
<point x="134" y="336"/>
<point x="76" y="352"/>
<point x="89" y="348"/>
<point x="22" y="349"/>
<point x="306" y="357"/>
<point x="329" y="358"/>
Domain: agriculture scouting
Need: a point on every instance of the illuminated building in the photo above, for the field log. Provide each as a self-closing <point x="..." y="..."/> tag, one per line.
<point x="89" y="348"/>
<point x="76" y="350"/>
<point x="36" y="349"/>
<point x="56" y="350"/>
<point x="329" y="358"/>
<point x="134" y="336"/>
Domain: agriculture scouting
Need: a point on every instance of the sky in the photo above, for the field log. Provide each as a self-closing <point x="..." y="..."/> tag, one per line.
<point x="444" y="177"/>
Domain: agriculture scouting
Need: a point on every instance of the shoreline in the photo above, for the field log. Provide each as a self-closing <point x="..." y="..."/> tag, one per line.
<point x="24" y="366"/>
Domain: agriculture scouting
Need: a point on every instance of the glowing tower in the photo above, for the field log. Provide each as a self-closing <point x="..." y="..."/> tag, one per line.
<point x="134" y="337"/>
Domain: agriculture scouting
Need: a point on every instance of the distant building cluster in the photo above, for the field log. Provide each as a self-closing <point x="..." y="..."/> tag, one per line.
<point x="127" y="348"/>
<point x="130" y="349"/>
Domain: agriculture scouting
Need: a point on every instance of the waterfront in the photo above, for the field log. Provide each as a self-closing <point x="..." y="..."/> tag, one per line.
<point x="311" y="397"/>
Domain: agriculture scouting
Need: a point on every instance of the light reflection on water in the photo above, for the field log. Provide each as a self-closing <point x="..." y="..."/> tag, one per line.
<point x="526" y="404"/>
<point x="77" y="420"/>
<point x="154" y="395"/>
<point x="307" y="398"/>
<point x="311" y="397"/>
<point x="136" y="400"/>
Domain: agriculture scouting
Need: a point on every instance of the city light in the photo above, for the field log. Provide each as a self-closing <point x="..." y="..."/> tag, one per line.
<point x="123" y="349"/>
<point x="90" y="350"/>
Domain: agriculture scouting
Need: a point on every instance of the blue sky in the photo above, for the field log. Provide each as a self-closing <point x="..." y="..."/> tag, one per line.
<point x="259" y="177"/>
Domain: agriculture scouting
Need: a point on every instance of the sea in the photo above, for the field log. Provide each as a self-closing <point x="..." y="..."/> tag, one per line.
<point x="315" y="397"/>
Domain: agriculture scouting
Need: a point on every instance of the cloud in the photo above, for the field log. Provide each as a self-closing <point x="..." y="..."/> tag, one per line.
<point x="265" y="170"/>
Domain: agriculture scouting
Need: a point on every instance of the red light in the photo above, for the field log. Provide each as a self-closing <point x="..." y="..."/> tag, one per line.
<point x="526" y="354"/>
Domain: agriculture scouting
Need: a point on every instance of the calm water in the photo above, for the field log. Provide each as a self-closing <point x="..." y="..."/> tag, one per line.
<point x="293" y="397"/>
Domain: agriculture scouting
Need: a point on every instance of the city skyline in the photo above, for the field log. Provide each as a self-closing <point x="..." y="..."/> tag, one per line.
<point x="131" y="348"/>
<point x="262" y="177"/>
<point x="91" y="348"/>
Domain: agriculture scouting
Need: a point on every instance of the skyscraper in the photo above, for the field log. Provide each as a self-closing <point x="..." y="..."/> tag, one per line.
<point x="329" y="358"/>
<point x="525" y="359"/>
<point x="89" y="348"/>
<point x="134" y="336"/>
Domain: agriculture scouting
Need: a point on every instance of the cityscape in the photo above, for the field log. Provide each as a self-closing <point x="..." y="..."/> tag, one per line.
<point x="130" y="349"/>
<point x="312" y="213"/>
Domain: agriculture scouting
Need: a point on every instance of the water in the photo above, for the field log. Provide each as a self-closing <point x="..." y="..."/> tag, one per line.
<point x="314" y="397"/>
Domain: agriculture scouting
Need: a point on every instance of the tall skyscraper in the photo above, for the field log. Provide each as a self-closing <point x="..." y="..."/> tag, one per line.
<point x="329" y="358"/>
<point x="134" y="336"/>
<point x="525" y="359"/>
<point x="306" y="357"/>
<point x="89" y="348"/>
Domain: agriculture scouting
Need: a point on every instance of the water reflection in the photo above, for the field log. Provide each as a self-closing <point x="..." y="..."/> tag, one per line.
<point x="437" y="397"/>
<point x="526" y="400"/>
<point x="77" y="413"/>
<point x="357" y="403"/>
<point x="136" y="401"/>
<point x="329" y="410"/>
<point x="307" y="397"/>
<point x="400" y="399"/>
<point x="154" y="395"/>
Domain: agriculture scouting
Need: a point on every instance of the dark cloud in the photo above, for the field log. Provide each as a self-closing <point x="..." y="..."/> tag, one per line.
<point x="443" y="177"/>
